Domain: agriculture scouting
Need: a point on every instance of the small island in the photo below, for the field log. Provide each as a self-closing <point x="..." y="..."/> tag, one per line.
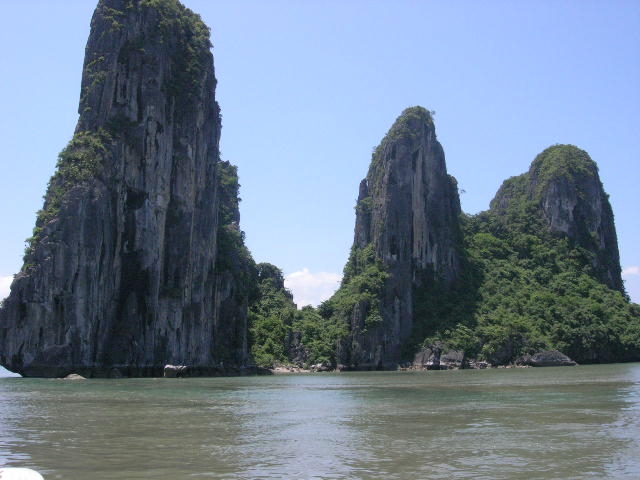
<point x="137" y="260"/>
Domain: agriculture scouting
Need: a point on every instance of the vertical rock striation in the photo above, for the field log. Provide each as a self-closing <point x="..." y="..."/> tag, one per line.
<point x="121" y="270"/>
<point x="565" y="190"/>
<point x="407" y="221"/>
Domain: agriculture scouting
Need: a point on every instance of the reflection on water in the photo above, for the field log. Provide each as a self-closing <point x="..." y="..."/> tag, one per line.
<point x="578" y="422"/>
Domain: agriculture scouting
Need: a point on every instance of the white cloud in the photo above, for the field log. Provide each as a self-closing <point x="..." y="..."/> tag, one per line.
<point x="5" y="283"/>
<point x="311" y="288"/>
<point x="632" y="282"/>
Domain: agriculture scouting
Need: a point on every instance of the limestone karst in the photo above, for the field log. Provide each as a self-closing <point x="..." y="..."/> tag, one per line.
<point x="563" y="182"/>
<point x="538" y="271"/>
<point x="123" y="274"/>
<point x="137" y="259"/>
<point x="407" y="216"/>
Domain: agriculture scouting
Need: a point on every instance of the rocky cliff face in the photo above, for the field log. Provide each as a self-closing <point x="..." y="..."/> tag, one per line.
<point x="564" y="188"/>
<point x="408" y="215"/>
<point x="121" y="270"/>
<point x="530" y="275"/>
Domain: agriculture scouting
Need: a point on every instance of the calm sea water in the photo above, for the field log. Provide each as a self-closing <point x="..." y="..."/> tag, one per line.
<point x="572" y="422"/>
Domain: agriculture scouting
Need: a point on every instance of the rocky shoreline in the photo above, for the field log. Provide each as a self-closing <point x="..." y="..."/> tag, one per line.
<point x="436" y="359"/>
<point x="428" y="359"/>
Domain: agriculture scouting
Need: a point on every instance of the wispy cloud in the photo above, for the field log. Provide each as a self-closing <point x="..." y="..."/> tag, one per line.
<point x="5" y="283"/>
<point x="311" y="288"/>
<point x="629" y="271"/>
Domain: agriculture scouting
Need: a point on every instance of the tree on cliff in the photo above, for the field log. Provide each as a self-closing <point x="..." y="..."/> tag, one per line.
<point x="135" y="261"/>
<point x="539" y="270"/>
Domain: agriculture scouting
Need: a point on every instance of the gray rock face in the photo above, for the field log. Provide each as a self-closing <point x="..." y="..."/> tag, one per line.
<point x="547" y="358"/>
<point x="435" y="358"/>
<point x="408" y="211"/>
<point x="564" y="184"/>
<point x="121" y="271"/>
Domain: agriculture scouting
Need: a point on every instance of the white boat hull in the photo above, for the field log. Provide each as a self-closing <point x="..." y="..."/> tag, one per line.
<point x="19" y="474"/>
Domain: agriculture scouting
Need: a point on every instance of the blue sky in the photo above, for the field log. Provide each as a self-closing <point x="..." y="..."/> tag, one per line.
<point x="309" y="88"/>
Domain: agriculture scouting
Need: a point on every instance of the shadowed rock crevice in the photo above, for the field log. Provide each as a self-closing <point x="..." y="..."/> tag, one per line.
<point x="121" y="271"/>
<point x="407" y="237"/>
<point x="564" y="187"/>
<point x="538" y="272"/>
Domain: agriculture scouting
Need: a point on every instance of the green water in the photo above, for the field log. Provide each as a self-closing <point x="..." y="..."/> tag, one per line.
<point x="572" y="422"/>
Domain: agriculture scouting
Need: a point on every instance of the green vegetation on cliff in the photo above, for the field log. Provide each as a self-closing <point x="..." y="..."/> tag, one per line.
<point x="535" y="274"/>
<point x="561" y="162"/>
<point x="270" y="318"/>
<point x="537" y="288"/>
<point x="362" y="285"/>
<point x="406" y="125"/>
<point x="81" y="161"/>
<point x="180" y="24"/>
<point x="176" y="27"/>
<point x="538" y="291"/>
<point x="279" y="334"/>
<point x="233" y="255"/>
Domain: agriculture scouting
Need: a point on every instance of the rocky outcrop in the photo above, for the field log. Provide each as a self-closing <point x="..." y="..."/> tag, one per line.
<point x="122" y="275"/>
<point x="547" y="358"/>
<point x="175" y="371"/>
<point x="407" y="221"/>
<point x="436" y="357"/>
<point x="564" y="185"/>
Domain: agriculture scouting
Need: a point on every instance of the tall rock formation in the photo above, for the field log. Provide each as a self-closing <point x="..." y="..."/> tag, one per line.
<point x="121" y="270"/>
<point x="564" y="189"/>
<point x="407" y="237"/>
